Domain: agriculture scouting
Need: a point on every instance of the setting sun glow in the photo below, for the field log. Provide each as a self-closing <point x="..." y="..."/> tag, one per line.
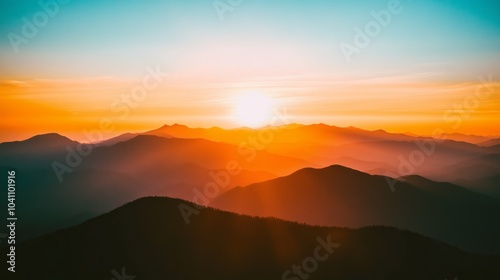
<point x="253" y="109"/>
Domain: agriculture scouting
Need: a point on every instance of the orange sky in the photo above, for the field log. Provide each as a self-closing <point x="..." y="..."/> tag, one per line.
<point x="398" y="104"/>
<point x="80" y="68"/>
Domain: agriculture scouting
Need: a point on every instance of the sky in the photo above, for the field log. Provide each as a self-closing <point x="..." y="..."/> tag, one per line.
<point x="403" y="66"/>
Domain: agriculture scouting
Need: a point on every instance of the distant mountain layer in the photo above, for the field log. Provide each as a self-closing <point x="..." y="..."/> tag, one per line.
<point x="100" y="178"/>
<point x="181" y="162"/>
<point x="339" y="196"/>
<point x="374" y="152"/>
<point x="491" y="142"/>
<point x="474" y="139"/>
<point x="149" y="239"/>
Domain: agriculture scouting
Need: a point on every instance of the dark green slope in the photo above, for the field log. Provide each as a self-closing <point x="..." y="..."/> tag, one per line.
<point x="150" y="238"/>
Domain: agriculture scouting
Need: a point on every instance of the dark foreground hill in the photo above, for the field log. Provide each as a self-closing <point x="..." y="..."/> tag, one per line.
<point x="340" y="196"/>
<point x="149" y="239"/>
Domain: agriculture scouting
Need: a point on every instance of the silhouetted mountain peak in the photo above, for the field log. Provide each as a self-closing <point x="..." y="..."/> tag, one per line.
<point x="175" y="125"/>
<point x="151" y="138"/>
<point x="153" y="230"/>
<point x="334" y="169"/>
<point x="38" y="144"/>
<point x="49" y="138"/>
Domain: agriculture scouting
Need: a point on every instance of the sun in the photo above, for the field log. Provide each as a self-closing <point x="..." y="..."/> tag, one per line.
<point x="253" y="109"/>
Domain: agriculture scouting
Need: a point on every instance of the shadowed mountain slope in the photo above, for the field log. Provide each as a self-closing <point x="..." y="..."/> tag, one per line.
<point x="104" y="177"/>
<point x="149" y="239"/>
<point x="339" y="196"/>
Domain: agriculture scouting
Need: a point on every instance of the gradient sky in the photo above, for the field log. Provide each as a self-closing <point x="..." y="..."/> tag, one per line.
<point x="418" y="68"/>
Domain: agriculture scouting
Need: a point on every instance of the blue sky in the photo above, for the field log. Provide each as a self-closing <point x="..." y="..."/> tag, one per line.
<point x="424" y="62"/>
<point x="111" y="38"/>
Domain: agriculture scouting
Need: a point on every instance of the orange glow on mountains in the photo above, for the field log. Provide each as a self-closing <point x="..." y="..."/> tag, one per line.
<point x="37" y="106"/>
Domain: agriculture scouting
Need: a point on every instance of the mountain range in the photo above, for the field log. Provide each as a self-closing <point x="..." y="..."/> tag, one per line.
<point x="339" y="196"/>
<point x="314" y="174"/>
<point x="148" y="239"/>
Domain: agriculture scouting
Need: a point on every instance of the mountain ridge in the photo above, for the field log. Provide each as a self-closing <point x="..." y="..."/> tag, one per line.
<point x="148" y="237"/>
<point x="340" y="196"/>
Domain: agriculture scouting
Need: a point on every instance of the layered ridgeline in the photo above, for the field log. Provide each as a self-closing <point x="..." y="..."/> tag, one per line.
<point x="467" y="160"/>
<point x="340" y="196"/>
<point x="149" y="239"/>
<point x="62" y="182"/>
